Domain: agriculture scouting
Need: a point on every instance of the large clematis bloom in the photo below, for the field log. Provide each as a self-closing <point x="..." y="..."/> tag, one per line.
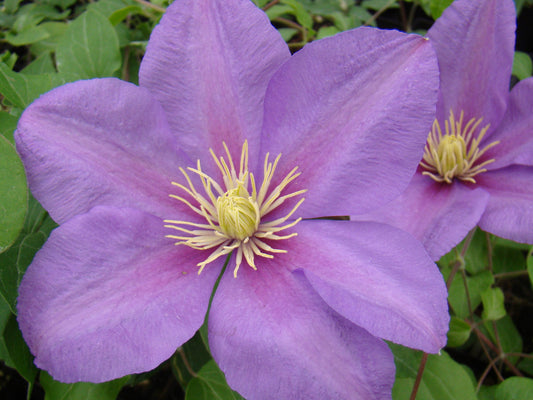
<point x="148" y="214"/>
<point x="478" y="163"/>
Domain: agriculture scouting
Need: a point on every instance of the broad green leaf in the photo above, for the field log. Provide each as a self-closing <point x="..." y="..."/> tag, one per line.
<point x="210" y="384"/>
<point x="41" y="65"/>
<point x="81" y="391"/>
<point x="89" y="48"/>
<point x="530" y="265"/>
<point x="522" y="65"/>
<point x="443" y="378"/>
<point x="5" y="315"/>
<point x="108" y="7"/>
<point x="18" y="350"/>
<point x="287" y="33"/>
<point x="32" y="14"/>
<point x="278" y="10"/>
<point x="120" y="15"/>
<point x="301" y="14"/>
<point x="21" y="89"/>
<point x="29" y="36"/>
<point x="14" y="198"/>
<point x="192" y="356"/>
<point x="507" y="259"/>
<point x="326" y="31"/>
<point x="476" y="257"/>
<point x="10" y="6"/>
<point x="508" y="336"/>
<point x="493" y="307"/>
<point x="515" y="388"/>
<point x="459" y="332"/>
<point x="55" y="30"/>
<point x="8" y="123"/>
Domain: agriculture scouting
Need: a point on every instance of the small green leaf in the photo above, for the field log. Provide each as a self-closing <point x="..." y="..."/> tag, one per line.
<point x="18" y="350"/>
<point x="522" y="65"/>
<point x="14" y="198"/>
<point x="326" y="31"/>
<point x="81" y="391"/>
<point x="210" y="384"/>
<point x="438" y="6"/>
<point x="458" y="333"/>
<point x="29" y="36"/>
<point x="476" y="285"/>
<point x="301" y="14"/>
<point x="8" y="123"/>
<point x="120" y="15"/>
<point x="493" y="307"/>
<point x="89" y="48"/>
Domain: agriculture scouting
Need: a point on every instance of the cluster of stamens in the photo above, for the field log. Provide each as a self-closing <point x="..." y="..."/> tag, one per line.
<point x="456" y="154"/>
<point x="234" y="212"/>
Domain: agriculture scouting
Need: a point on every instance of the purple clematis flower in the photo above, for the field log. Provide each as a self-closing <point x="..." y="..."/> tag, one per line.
<point x="478" y="163"/>
<point x="148" y="213"/>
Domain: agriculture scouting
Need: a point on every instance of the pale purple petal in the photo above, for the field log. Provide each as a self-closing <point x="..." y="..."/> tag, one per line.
<point x="377" y="276"/>
<point x="509" y="213"/>
<point x="109" y="295"/>
<point x="474" y="41"/>
<point x="275" y="338"/>
<point x="515" y="133"/>
<point x="99" y="142"/>
<point x="208" y="63"/>
<point x="353" y="113"/>
<point x="437" y="214"/>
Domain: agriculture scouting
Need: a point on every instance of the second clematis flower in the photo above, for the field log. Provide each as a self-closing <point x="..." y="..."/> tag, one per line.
<point x="230" y="145"/>
<point x="477" y="168"/>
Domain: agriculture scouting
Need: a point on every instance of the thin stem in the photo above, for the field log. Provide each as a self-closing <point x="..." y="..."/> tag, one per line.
<point x="152" y="6"/>
<point x="485" y="373"/>
<point x="513" y="274"/>
<point x="378" y="13"/>
<point x="271" y="4"/>
<point x="419" y="374"/>
<point x="186" y="362"/>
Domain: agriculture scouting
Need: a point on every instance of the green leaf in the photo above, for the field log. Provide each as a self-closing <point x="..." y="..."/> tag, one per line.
<point x="438" y="6"/>
<point x="210" y="384"/>
<point x="443" y="378"/>
<point x="14" y="198"/>
<point x="120" y="15"/>
<point x="41" y="65"/>
<point x="508" y="336"/>
<point x="493" y="307"/>
<point x="476" y="285"/>
<point x="18" y="350"/>
<point x="515" y="388"/>
<point x="29" y="36"/>
<point x="530" y="265"/>
<point x="55" y="30"/>
<point x="326" y="31"/>
<point x="5" y="315"/>
<point x="458" y="333"/>
<point x="10" y="6"/>
<point x="193" y="355"/>
<point x="476" y="258"/>
<point x="81" y="391"/>
<point x="522" y="65"/>
<point x="8" y="123"/>
<point x="89" y="48"/>
<point x="21" y="89"/>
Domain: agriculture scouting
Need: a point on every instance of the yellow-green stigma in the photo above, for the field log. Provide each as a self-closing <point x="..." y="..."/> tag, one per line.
<point x="234" y="212"/>
<point x="456" y="154"/>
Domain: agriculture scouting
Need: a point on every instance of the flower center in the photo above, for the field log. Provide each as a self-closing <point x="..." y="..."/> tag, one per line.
<point x="456" y="154"/>
<point x="235" y="211"/>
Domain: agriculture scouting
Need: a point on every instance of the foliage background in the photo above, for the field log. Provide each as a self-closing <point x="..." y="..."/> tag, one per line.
<point x="46" y="43"/>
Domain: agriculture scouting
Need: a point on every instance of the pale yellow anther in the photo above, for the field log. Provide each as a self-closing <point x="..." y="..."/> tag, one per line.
<point x="455" y="154"/>
<point x="235" y="211"/>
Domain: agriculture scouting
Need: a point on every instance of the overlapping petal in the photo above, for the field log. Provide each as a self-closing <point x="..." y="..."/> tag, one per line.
<point x="392" y="290"/>
<point x="439" y="215"/>
<point x="109" y="295"/>
<point x="509" y="212"/>
<point x="351" y="111"/>
<point x="474" y="41"/>
<point x="272" y="320"/>
<point x="515" y="131"/>
<point x="99" y="142"/>
<point x="208" y="63"/>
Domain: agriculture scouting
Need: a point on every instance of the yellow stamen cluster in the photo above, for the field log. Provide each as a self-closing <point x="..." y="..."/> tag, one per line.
<point x="455" y="154"/>
<point x="234" y="212"/>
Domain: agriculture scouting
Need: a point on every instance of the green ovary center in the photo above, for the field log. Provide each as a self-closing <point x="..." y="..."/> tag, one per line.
<point x="238" y="214"/>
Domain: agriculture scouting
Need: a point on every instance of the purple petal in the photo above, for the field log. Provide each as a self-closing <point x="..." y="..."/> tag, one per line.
<point x="274" y="338"/>
<point x="439" y="215"/>
<point x="109" y="295"/>
<point x="353" y="113"/>
<point x="378" y="277"/>
<point x="515" y="131"/>
<point x="208" y="63"/>
<point x="509" y="213"/>
<point x="474" y="41"/>
<point x="99" y="142"/>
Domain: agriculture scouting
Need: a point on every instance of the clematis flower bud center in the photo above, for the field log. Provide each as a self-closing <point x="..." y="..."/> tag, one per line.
<point x="457" y="153"/>
<point x="238" y="214"/>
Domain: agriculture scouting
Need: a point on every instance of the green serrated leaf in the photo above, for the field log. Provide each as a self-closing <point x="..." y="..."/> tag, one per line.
<point x="80" y="391"/>
<point x="89" y="48"/>
<point x="458" y="333"/>
<point x="14" y="198"/>
<point x="493" y="307"/>
<point x="210" y="384"/>
<point x="522" y="65"/>
<point x="18" y="350"/>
